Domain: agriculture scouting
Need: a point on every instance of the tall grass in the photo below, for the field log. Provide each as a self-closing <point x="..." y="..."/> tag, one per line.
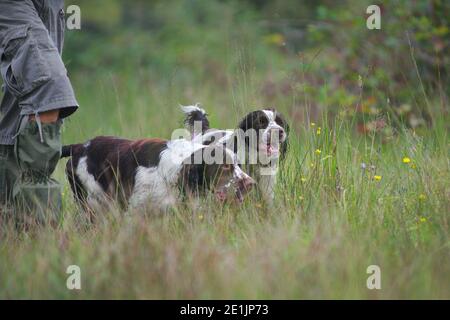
<point x="345" y="200"/>
<point x="331" y="220"/>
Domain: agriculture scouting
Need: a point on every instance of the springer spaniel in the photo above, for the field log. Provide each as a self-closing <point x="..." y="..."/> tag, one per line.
<point x="260" y="142"/>
<point x="152" y="172"/>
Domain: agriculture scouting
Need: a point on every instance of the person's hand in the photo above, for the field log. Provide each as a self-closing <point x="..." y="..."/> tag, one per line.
<point x="47" y="116"/>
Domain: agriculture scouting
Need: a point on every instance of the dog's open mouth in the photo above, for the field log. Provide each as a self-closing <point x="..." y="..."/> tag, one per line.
<point x="229" y="191"/>
<point x="221" y="195"/>
<point x="270" y="149"/>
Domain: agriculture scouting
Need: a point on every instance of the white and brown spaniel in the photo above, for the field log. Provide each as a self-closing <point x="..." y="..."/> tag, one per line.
<point x="260" y="142"/>
<point x="153" y="173"/>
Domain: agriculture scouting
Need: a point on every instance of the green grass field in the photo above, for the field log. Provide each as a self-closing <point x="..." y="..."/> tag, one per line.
<point x="346" y="199"/>
<point x="332" y="218"/>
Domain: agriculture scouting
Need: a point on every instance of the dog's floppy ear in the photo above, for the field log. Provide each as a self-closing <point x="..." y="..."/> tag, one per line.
<point x="249" y="122"/>
<point x="281" y="121"/>
<point x="195" y="176"/>
<point x="192" y="176"/>
<point x="192" y="179"/>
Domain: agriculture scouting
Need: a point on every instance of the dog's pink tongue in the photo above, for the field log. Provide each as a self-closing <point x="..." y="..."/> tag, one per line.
<point x="221" y="196"/>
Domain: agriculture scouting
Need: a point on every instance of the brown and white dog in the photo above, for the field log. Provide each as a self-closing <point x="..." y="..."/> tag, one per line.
<point x="154" y="172"/>
<point x="260" y="142"/>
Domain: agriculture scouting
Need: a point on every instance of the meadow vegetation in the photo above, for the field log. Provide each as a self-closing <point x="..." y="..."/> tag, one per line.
<point x="365" y="181"/>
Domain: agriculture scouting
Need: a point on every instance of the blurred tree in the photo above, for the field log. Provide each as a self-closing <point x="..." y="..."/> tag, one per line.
<point x="319" y="49"/>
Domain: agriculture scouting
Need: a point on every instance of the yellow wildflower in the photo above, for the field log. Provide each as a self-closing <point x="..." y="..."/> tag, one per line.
<point x="377" y="178"/>
<point x="422" y="196"/>
<point x="200" y="217"/>
<point x="313" y="124"/>
<point x="302" y="179"/>
<point x="274" y="38"/>
<point x="406" y="160"/>
<point x="423" y="219"/>
<point x="318" y="151"/>
<point x="318" y="131"/>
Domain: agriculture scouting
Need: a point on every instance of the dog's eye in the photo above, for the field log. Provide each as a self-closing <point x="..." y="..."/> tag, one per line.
<point x="280" y="122"/>
<point x="263" y="121"/>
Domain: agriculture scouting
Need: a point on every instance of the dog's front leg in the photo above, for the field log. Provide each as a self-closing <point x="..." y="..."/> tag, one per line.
<point x="267" y="177"/>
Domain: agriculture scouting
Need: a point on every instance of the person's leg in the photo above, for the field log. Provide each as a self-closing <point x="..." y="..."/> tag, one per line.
<point x="37" y="94"/>
<point x="36" y="196"/>
<point x="9" y="170"/>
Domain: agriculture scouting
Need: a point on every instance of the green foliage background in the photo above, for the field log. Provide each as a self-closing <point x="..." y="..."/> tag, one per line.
<point x="320" y="52"/>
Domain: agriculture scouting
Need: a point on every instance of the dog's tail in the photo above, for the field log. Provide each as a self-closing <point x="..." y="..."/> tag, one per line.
<point x="68" y="150"/>
<point x="196" y="119"/>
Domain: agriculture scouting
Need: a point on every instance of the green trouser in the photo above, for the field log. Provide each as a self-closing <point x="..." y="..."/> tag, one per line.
<point x="26" y="187"/>
<point x="34" y="81"/>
